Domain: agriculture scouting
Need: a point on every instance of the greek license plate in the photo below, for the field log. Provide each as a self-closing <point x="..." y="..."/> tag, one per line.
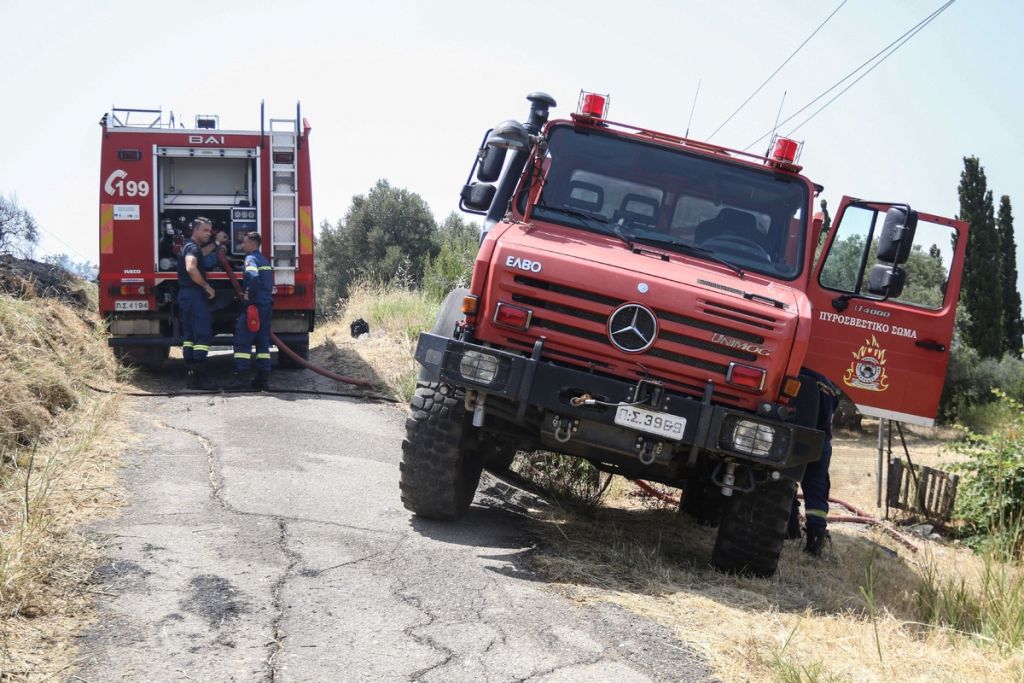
<point x="651" y="421"/>
<point x="131" y="305"/>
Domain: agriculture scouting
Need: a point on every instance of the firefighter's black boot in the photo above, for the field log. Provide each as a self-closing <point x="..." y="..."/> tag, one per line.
<point x="816" y="537"/>
<point x="261" y="382"/>
<point x="196" y="377"/>
<point x="238" y="382"/>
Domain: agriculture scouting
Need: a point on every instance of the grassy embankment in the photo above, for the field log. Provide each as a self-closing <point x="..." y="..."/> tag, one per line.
<point x="58" y="444"/>
<point x="871" y="610"/>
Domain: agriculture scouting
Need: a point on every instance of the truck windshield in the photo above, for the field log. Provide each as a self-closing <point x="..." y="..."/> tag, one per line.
<point x="648" y="194"/>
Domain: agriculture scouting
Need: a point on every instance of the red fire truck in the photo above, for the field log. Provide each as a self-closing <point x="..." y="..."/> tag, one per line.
<point x="156" y="176"/>
<point x="652" y="304"/>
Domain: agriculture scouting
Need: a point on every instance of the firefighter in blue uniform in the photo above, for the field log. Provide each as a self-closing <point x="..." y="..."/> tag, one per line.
<point x="259" y="285"/>
<point x="815" y="483"/>
<point x="194" y="294"/>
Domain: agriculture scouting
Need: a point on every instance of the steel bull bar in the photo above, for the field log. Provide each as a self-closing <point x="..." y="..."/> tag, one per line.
<point x="529" y="381"/>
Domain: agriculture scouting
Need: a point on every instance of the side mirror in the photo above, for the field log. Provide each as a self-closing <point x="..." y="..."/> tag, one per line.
<point x="897" y="235"/>
<point x="492" y="160"/>
<point x="476" y="196"/>
<point x="886" y="281"/>
<point x="510" y="135"/>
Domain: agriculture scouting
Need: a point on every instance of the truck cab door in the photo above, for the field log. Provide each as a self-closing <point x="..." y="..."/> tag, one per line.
<point x="881" y="331"/>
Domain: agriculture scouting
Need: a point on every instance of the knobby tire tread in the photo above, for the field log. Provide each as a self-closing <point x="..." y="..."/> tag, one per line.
<point x="439" y="475"/>
<point x="753" y="530"/>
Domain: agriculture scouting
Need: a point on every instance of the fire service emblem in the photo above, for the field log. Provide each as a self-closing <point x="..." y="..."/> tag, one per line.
<point x="867" y="371"/>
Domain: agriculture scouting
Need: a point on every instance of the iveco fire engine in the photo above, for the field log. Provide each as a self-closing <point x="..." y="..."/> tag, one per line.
<point x="652" y="303"/>
<point x="157" y="176"/>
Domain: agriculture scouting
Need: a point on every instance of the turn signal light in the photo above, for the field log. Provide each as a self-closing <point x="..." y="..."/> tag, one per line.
<point x="790" y="387"/>
<point x="470" y="303"/>
<point x="512" y="317"/>
<point x="745" y="376"/>
<point x="283" y="289"/>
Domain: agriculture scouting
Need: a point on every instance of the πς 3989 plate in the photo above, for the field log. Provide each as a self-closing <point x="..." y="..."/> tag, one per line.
<point x="651" y="421"/>
<point x="138" y="305"/>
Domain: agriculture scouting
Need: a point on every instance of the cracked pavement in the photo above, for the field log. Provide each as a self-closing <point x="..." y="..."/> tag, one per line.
<point x="264" y="540"/>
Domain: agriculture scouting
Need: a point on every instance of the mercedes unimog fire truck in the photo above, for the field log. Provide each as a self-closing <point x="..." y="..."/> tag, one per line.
<point x="156" y="177"/>
<point x="651" y="303"/>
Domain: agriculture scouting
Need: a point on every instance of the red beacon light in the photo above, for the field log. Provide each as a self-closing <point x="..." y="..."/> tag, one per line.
<point x="593" y="105"/>
<point x="785" y="153"/>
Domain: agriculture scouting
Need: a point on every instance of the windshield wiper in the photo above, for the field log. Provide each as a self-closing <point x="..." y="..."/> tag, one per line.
<point x="601" y="223"/>
<point x="690" y="249"/>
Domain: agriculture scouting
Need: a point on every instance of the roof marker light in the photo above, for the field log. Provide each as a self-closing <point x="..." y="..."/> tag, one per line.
<point x="593" y="104"/>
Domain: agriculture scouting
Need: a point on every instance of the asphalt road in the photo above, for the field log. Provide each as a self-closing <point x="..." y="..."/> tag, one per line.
<point x="264" y="540"/>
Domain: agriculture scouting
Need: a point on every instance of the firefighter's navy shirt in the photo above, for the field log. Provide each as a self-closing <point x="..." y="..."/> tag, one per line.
<point x="193" y="249"/>
<point x="259" y="278"/>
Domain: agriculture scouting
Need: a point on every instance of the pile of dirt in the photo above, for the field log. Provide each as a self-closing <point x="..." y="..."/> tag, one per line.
<point x="25" y="278"/>
<point x="53" y="345"/>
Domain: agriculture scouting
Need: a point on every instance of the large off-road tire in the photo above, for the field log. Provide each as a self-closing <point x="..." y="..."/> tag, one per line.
<point x="753" y="529"/>
<point x="703" y="501"/>
<point x="439" y="473"/>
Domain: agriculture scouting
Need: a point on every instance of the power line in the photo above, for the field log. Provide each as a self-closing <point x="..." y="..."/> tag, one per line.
<point x="806" y="40"/>
<point x="873" y="66"/>
<point x="64" y="243"/>
<point x="890" y="48"/>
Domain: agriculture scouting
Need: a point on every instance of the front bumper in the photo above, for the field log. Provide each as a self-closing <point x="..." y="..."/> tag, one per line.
<point x="531" y="382"/>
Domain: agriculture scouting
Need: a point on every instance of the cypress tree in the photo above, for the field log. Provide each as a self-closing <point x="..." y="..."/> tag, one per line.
<point x="982" y="280"/>
<point x="1013" y="326"/>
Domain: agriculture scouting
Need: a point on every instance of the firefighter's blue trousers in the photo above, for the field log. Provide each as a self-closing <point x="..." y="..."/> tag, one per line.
<point x="244" y="341"/>
<point x="196" y="325"/>
<point x="815" y="483"/>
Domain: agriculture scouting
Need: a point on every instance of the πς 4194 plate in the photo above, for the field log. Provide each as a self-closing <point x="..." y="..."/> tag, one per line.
<point x="138" y="305"/>
<point x="651" y="421"/>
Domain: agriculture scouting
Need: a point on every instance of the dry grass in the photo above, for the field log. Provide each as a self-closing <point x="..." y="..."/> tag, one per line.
<point x="854" y="616"/>
<point x="396" y="317"/>
<point x="60" y="443"/>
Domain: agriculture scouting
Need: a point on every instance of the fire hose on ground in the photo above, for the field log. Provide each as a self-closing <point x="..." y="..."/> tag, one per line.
<point x="859" y="516"/>
<point x="282" y="347"/>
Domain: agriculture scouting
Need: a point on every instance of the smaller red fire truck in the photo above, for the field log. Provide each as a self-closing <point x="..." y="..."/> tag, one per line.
<point x="156" y="176"/>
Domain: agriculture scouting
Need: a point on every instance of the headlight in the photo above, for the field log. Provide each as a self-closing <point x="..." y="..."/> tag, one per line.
<point x="753" y="438"/>
<point x="478" y="367"/>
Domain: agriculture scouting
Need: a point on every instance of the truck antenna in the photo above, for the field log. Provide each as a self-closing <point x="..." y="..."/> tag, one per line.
<point x="777" y="115"/>
<point x="690" y="120"/>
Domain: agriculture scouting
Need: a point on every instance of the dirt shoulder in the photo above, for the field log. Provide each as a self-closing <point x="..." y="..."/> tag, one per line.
<point x="59" y="447"/>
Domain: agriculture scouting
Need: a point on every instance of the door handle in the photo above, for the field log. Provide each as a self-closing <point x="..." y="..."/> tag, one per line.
<point x="930" y="345"/>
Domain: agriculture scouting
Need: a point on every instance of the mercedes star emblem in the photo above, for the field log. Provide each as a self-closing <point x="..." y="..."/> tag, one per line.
<point x="632" y="328"/>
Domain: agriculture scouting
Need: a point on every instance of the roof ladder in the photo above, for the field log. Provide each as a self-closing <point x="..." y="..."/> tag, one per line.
<point x="284" y="194"/>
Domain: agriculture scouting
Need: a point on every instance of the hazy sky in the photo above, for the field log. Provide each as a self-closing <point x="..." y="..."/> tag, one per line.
<point x="404" y="90"/>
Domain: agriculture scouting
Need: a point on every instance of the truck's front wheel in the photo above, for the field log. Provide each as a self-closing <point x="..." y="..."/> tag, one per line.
<point x="753" y="529"/>
<point x="439" y="473"/>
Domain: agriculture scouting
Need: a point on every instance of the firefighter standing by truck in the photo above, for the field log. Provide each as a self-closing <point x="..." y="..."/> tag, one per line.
<point x="258" y="283"/>
<point x="815" y="483"/>
<point x="194" y="294"/>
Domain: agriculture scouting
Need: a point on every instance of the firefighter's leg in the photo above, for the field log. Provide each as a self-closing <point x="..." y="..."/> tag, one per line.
<point x="262" y="379"/>
<point x="187" y="328"/>
<point x="816" y="484"/>
<point x="243" y="345"/>
<point x="203" y="338"/>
